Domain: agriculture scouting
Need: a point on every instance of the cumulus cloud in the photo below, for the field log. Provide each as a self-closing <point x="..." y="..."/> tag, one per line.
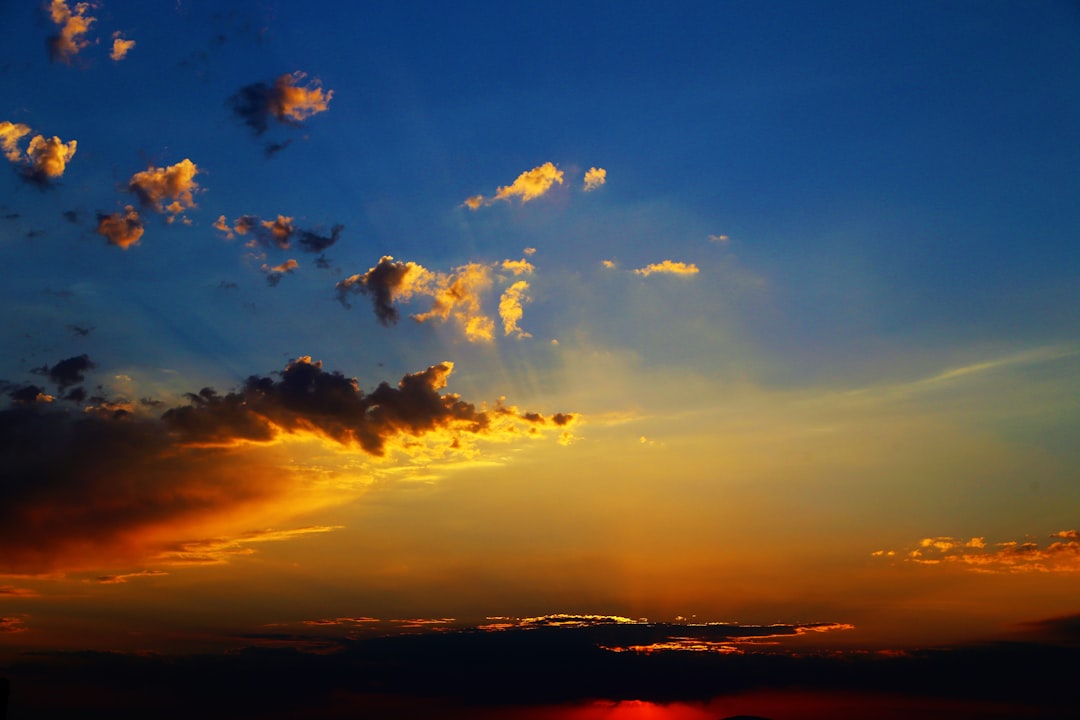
<point x="529" y="185"/>
<point x="120" y="46"/>
<point x="45" y="159"/>
<point x="594" y="178"/>
<point x="667" y="267"/>
<point x="73" y="24"/>
<point x="121" y="229"/>
<point x="156" y="187"/>
<point x="71" y="371"/>
<point x="1060" y="554"/>
<point x="286" y="100"/>
<point x="456" y="296"/>
<point x="113" y="488"/>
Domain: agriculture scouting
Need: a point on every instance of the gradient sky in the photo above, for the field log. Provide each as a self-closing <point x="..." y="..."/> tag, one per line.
<point x="324" y="321"/>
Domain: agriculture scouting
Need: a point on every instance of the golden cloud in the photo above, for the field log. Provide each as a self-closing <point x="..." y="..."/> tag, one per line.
<point x="529" y="185"/>
<point x="10" y="134"/>
<point x="155" y="187"/>
<point x="73" y="26"/>
<point x="511" y="308"/>
<point x="594" y="178"/>
<point x="49" y="158"/>
<point x="1060" y="554"/>
<point x="121" y="229"/>
<point x="667" y="267"/>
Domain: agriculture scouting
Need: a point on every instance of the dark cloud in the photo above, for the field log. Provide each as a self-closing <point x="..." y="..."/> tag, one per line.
<point x="80" y="330"/>
<point x="287" y="101"/>
<point x="314" y="243"/>
<point x="277" y="233"/>
<point x="72" y="216"/>
<point x="96" y="486"/>
<point x="384" y="283"/>
<point x="549" y="672"/>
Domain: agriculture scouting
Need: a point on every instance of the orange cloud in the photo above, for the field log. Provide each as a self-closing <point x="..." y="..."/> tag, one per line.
<point x="73" y="26"/>
<point x="155" y="187"/>
<point x="594" y="178"/>
<point x="120" y="47"/>
<point x="668" y="267"/>
<point x="121" y="229"/>
<point x="119" y="488"/>
<point x="10" y="134"/>
<point x="529" y="185"/>
<point x="518" y="267"/>
<point x="291" y="102"/>
<point x="276" y="272"/>
<point x="1060" y="554"/>
<point x="124" y="577"/>
<point x="49" y="158"/>
<point x="12" y="625"/>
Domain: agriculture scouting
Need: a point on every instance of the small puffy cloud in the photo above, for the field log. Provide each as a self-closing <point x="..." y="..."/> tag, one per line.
<point x="274" y="273"/>
<point x="529" y="251"/>
<point x="1060" y="554"/>
<point x="594" y="178"/>
<point x="511" y="308"/>
<point x="667" y="267"/>
<point x="287" y="101"/>
<point x="48" y="158"/>
<point x="608" y="264"/>
<point x="277" y="233"/>
<point x="121" y="229"/>
<point x="10" y="134"/>
<point x="120" y="46"/>
<point x="718" y="238"/>
<point x="457" y="295"/>
<point x="156" y="187"/>
<point x="518" y="267"/>
<point x="529" y="185"/>
<point x="73" y="24"/>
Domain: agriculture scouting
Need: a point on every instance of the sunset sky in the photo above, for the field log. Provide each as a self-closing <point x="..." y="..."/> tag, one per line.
<point x="606" y="339"/>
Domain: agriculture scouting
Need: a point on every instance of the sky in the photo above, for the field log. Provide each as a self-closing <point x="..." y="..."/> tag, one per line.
<point x="573" y="360"/>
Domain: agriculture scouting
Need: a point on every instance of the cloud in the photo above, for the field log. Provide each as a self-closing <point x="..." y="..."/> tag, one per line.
<point x="511" y="308"/>
<point x="667" y="267"/>
<point x="12" y="625"/>
<point x="12" y="591"/>
<point x="121" y="229"/>
<point x="276" y="272"/>
<point x="155" y="187"/>
<point x="1060" y="554"/>
<point x="73" y="25"/>
<point x="286" y="100"/>
<point x="46" y="158"/>
<point x="218" y="551"/>
<point x="456" y="296"/>
<point x="111" y="486"/>
<point x="10" y="134"/>
<point x="120" y="47"/>
<point x="594" y="178"/>
<point x="71" y="371"/>
<point x="277" y="233"/>
<point x="529" y="185"/>
<point x="124" y="577"/>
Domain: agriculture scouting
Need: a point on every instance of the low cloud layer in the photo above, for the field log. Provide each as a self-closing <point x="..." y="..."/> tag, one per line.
<point x="1060" y="553"/>
<point x="103" y="485"/>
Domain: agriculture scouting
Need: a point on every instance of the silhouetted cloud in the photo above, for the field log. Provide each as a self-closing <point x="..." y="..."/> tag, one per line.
<point x="73" y="24"/>
<point x="274" y="273"/>
<point x="71" y="371"/>
<point x="121" y="229"/>
<point x="277" y="233"/>
<point x="286" y="100"/>
<point x="313" y="242"/>
<point x="108" y="485"/>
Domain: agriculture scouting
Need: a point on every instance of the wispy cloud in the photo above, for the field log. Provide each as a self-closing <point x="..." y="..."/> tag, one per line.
<point x="667" y="267"/>
<point x="120" y="46"/>
<point x="122" y="578"/>
<point x="217" y="551"/>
